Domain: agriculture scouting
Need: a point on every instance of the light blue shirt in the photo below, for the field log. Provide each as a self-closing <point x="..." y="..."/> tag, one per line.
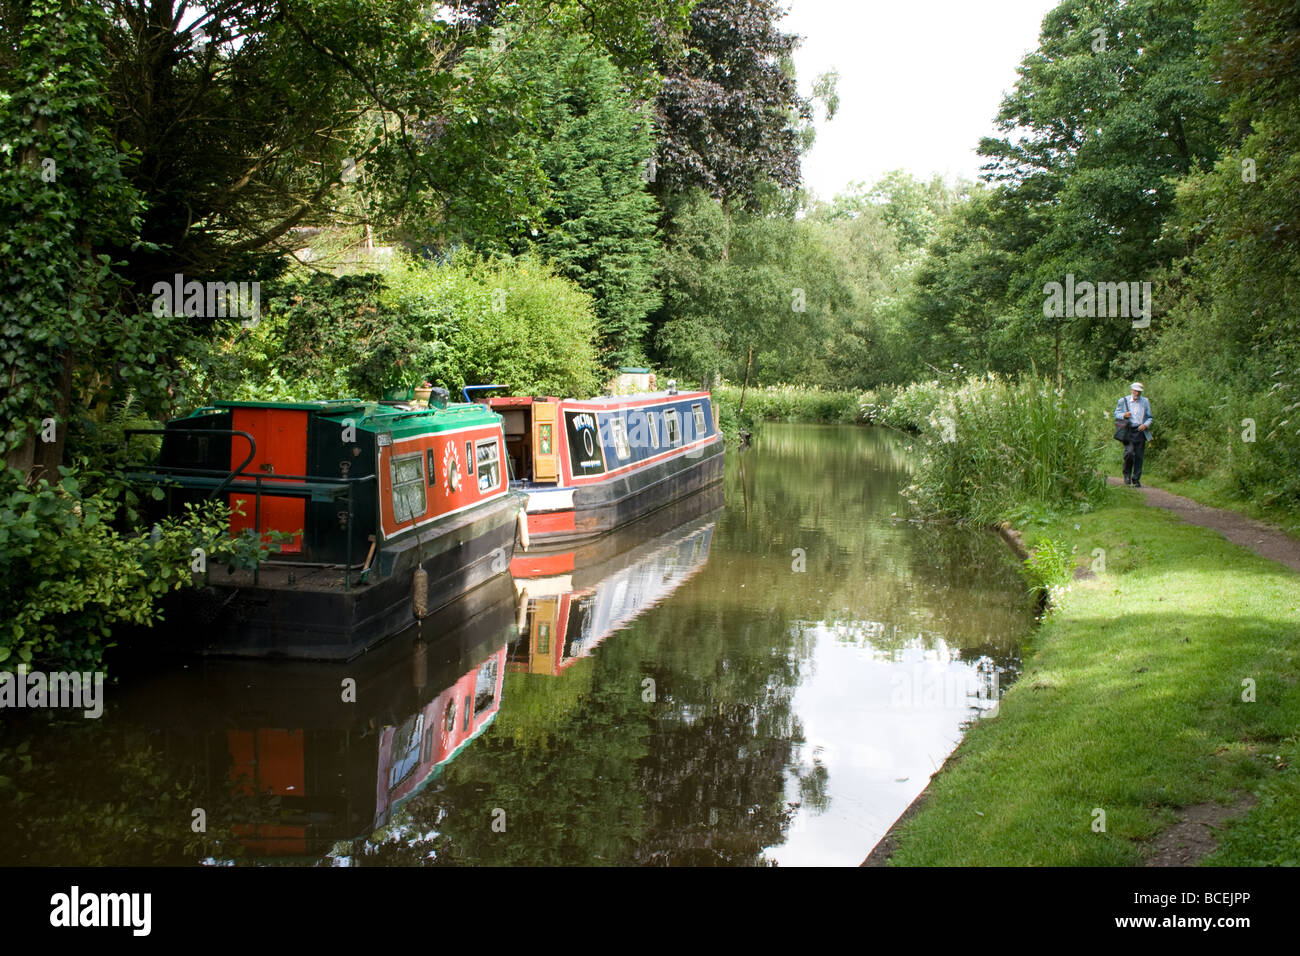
<point x="1141" y="410"/>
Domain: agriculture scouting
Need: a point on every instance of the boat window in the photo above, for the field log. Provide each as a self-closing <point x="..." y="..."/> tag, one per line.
<point x="449" y="721"/>
<point x="408" y="487"/>
<point x="405" y="752"/>
<point x="700" y="428"/>
<point x="672" y="428"/>
<point x="654" y="430"/>
<point x="485" y="686"/>
<point x="618" y="430"/>
<point x="489" y="465"/>
<point x="469" y="457"/>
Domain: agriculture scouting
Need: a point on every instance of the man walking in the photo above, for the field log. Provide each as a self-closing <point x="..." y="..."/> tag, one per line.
<point x="1136" y="411"/>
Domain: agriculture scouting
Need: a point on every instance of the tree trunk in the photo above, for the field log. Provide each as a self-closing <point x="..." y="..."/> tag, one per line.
<point x="748" y="363"/>
<point x="49" y="455"/>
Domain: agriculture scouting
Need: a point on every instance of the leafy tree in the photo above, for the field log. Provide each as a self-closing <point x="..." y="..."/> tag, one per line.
<point x="729" y="111"/>
<point x="598" y="225"/>
<point x="1114" y="104"/>
<point x="736" y="281"/>
<point x="64" y="199"/>
<point x="1239" y="287"/>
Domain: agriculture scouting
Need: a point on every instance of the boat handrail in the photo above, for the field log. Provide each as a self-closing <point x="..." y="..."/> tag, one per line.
<point x="232" y="432"/>
<point x="313" y="487"/>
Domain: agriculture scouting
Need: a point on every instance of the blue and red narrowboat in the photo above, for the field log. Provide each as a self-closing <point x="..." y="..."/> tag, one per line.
<point x="384" y="512"/>
<point x="590" y="466"/>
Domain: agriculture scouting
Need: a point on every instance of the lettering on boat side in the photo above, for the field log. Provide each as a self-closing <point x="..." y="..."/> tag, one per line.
<point x="75" y="909"/>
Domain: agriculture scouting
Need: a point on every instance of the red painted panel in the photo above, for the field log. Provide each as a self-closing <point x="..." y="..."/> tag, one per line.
<point x="550" y="522"/>
<point x="537" y="566"/>
<point x="267" y="760"/>
<point x="441" y="497"/>
<point x="281" y="436"/>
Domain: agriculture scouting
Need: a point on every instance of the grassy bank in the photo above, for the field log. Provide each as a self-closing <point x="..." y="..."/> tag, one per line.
<point x="1131" y="703"/>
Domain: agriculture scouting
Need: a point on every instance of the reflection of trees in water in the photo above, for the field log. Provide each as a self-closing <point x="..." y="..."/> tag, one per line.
<point x="568" y="787"/>
<point x="92" y="793"/>
<point x="721" y="747"/>
<point x="697" y="776"/>
<point x="713" y="770"/>
<point x="821" y="490"/>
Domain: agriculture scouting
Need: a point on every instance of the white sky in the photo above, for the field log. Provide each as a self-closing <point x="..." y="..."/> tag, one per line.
<point x="920" y="81"/>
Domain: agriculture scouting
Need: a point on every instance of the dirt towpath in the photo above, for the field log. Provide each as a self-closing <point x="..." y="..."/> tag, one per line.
<point x="1263" y="539"/>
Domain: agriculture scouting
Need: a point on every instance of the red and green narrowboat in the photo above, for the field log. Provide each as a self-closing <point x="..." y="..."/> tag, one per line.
<point x="296" y="770"/>
<point x="384" y="511"/>
<point x="590" y="466"/>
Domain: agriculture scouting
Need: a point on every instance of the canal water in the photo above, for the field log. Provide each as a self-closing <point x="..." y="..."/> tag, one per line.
<point x="766" y="674"/>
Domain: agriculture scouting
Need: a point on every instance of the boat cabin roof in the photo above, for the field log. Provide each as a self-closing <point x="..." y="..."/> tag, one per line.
<point x="400" y="420"/>
<point x="613" y="401"/>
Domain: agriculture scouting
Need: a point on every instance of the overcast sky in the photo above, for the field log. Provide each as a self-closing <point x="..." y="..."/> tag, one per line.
<point x="920" y="81"/>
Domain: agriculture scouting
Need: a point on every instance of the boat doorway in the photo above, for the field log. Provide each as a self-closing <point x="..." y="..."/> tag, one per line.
<point x="532" y="446"/>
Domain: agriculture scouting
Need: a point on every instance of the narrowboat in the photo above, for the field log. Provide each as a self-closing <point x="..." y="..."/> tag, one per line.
<point x="590" y="466"/>
<point x="381" y="513"/>
<point x="572" y="599"/>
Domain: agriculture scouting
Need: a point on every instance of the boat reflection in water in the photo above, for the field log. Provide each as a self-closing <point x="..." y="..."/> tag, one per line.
<point x="571" y="599"/>
<point x="293" y="757"/>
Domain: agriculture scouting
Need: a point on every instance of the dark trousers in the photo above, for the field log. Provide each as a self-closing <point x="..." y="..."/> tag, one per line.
<point x="1134" y="449"/>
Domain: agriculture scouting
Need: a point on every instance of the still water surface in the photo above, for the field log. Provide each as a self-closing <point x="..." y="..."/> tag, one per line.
<point x="767" y="674"/>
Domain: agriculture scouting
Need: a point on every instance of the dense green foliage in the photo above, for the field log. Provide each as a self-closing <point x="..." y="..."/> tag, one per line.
<point x="990" y="447"/>
<point x="599" y="225"/>
<point x="466" y="322"/>
<point x="67" y="577"/>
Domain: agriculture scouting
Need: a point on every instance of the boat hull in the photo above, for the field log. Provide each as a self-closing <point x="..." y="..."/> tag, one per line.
<point x="304" y="614"/>
<point x="598" y="508"/>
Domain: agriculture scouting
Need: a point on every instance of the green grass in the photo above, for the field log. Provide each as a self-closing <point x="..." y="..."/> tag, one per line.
<point x="1131" y="702"/>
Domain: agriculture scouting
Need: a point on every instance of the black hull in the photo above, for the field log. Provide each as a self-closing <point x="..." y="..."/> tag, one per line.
<point x="602" y="507"/>
<point x="276" y="619"/>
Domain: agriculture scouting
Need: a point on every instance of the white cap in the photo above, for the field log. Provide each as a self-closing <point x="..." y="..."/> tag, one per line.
<point x="1136" y="386"/>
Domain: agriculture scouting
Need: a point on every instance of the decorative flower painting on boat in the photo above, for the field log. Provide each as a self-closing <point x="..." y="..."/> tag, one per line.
<point x="451" y="468"/>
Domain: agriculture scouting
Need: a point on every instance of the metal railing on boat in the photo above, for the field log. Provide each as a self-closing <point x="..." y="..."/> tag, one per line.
<point x="316" y="488"/>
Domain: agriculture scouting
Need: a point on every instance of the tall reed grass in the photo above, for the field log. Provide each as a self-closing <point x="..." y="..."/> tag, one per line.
<point x="990" y="446"/>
